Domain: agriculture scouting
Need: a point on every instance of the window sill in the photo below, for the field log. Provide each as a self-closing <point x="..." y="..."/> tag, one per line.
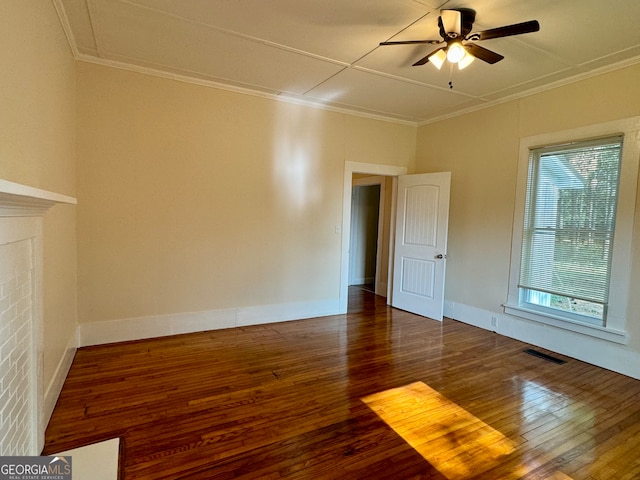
<point x="609" y="334"/>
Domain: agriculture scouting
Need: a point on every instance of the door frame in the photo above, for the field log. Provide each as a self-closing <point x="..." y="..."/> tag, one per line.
<point x="370" y="169"/>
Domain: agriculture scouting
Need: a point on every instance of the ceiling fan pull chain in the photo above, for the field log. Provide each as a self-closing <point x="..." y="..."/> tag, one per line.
<point x="451" y="76"/>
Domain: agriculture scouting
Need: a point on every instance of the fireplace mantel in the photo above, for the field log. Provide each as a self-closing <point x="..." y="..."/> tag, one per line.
<point x="17" y="200"/>
<point x="22" y="212"/>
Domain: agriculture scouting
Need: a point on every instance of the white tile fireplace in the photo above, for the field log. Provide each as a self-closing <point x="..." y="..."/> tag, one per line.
<point x="23" y="415"/>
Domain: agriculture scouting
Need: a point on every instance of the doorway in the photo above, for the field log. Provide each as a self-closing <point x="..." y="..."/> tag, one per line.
<point x="370" y="230"/>
<point x="423" y="209"/>
<point x="363" y="246"/>
<point x="359" y="170"/>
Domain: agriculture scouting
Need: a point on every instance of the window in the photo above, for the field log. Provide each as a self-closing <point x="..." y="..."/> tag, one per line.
<point x="570" y="212"/>
<point x="571" y="246"/>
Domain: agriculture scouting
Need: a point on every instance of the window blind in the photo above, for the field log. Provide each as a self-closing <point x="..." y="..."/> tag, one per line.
<point x="570" y="213"/>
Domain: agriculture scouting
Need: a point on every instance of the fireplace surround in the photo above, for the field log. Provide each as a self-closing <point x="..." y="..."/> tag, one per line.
<point x="23" y="413"/>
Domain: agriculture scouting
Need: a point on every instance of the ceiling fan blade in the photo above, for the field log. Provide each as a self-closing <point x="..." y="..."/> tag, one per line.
<point x="508" y="30"/>
<point x="482" y="53"/>
<point x="412" y="42"/>
<point x="423" y="60"/>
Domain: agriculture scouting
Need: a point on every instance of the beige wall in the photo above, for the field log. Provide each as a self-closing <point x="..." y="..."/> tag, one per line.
<point x="194" y="199"/>
<point x="37" y="148"/>
<point x="481" y="151"/>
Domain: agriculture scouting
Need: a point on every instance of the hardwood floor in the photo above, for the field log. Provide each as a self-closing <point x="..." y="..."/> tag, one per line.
<point x="378" y="393"/>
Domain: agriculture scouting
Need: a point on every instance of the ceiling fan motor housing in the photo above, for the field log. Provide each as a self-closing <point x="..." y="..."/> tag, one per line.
<point x="461" y="20"/>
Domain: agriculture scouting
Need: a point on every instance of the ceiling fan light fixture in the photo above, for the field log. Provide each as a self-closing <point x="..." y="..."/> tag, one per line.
<point x="455" y="52"/>
<point x="465" y="61"/>
<point x="438" y="58"/>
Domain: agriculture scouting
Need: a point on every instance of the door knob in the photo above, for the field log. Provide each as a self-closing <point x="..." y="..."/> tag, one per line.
<point x="440" y="256"/>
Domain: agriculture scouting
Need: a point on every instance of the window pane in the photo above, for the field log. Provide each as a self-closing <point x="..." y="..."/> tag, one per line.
<point x="569" y="222"/>
<point x="565" y="304"/>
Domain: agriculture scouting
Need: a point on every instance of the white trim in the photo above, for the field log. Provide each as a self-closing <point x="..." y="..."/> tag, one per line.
<point x="17" y="200"/>
<point x="621" y="264"/>
<point x="192" y="78"/>
<point x="52" y="392"/>
<point x="30" y="193"/>
<point x="314" y="103"/>
<point x="349" y="169"/>
<point x="126" y="329"/>
<point x="281" y="96"/>
<point x="17" y="204"/>
<point x="66" y="27"/>
<point x="245" y="90"/>
<point x="610" y="334"/>
<point x="596" y="351"/>
<point x="95" y="27"/>
<point x="536" y="90"/>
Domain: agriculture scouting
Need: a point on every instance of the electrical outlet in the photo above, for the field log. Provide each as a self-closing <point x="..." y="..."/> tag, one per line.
<point x="494" y="321"/>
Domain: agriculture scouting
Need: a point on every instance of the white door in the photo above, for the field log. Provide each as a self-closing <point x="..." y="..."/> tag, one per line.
<point x="422" y="217"/>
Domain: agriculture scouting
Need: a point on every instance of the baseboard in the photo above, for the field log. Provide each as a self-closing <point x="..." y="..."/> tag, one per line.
<point x="602" y="353"/>
<point x="362" y="280"/>
<point x="138" y="328"/>
<point x="53" y="389"/>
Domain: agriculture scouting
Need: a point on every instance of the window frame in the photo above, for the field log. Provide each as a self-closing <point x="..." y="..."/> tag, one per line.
<point x="615" y="327"/>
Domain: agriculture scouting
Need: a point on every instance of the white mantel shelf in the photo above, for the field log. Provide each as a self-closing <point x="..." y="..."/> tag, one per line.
<point x="18" y="199"/>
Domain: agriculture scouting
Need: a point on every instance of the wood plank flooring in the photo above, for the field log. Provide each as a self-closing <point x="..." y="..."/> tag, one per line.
<point x="375" y="394"/>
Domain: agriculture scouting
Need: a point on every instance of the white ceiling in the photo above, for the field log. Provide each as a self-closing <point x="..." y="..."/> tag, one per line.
<point x="326" y="51"/>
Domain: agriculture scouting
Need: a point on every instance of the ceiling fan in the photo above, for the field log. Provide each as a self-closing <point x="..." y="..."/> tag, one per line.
<point x="458" y="43"/>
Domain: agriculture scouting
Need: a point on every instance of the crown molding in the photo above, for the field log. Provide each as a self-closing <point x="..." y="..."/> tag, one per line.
<point x="292" y="99"/>
<point x="534" y="91"/>
<point x="276" y="96"/>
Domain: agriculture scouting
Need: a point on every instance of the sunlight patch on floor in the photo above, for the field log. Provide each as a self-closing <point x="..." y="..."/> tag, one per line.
<point x="450" y="438"/>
